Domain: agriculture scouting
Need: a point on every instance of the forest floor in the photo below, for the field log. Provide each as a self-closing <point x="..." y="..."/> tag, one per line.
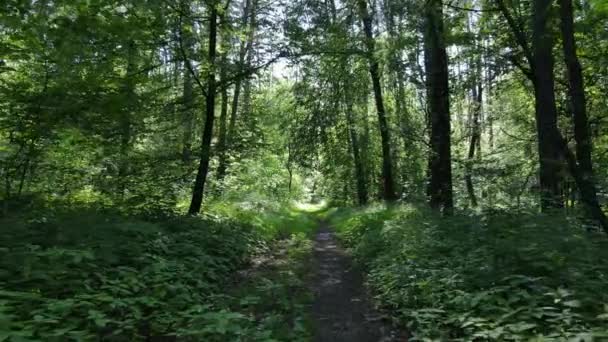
<point x="341" y="310"/>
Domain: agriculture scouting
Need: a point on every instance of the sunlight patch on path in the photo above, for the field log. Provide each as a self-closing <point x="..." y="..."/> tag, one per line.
<point x="310" y="207"/>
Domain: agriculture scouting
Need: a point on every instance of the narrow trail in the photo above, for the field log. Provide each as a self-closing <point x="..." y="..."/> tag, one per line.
<point x="341" y="309"/>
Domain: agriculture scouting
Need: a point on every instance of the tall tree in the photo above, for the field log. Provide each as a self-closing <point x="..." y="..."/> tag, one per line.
<point x="438" y="98"/>
<point x="545" y="107"/>
<point x="475" y="134"/>
<point x="351" y="123"/>
<point x="475" y="80"/>
<point x="203" y="168"/>
<point x="552" y="146"/>
<point x="374" y="70"/>
<point x="126" y="119"/>
<point x="539" y="57"/>
<point x="222" y="144"/>
<point x="578" y="101"/>
<point x="248" y="25"/>
<point x="188" y="96"/>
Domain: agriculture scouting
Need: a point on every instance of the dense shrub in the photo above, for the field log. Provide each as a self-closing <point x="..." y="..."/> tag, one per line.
<point x="90" y="276"/>
<point x="500" y="276"/>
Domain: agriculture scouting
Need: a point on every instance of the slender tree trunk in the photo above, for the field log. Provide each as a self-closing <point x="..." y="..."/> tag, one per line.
<point x="474" y="142"/>
<point x="247" y="22"/>
<point x="475" y="69"/>
<point x="581" y="122"/>
<point x="289" y="185"/>
<point x="25" y="167"/>
<point x="374" y="69"/>
<point x="7" y="189"/>
<point x="222" y="145"/>
<point x="545" y="108"/>
<point x="188" y="96"/>
<point x="126" y="120"/>
<point x="362" y="195"/>
<point x="368" y="162"/>
<point x="203" y="169"/>
<point x="188" y="117"/>
<point x="440" y="161"/>
<point x="475" y="66"/>
<point x="398" y="84"/>
<point x="248" y="62"/>
<point x="289" y="165"/>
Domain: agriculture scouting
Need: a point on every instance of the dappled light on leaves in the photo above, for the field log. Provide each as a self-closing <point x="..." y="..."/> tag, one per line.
<point x="325" y="170"/>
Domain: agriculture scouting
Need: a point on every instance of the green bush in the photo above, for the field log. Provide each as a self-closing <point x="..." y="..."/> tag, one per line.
<point x="272" y="219"/>
<point x="500" y="276"/>
<point x="90" y="276"/>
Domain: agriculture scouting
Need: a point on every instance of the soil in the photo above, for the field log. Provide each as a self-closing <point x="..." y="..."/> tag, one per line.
<point x="342" y="311"/>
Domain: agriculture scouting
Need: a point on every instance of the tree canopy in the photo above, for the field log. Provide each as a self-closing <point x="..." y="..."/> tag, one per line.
<point x="158" y="110"/>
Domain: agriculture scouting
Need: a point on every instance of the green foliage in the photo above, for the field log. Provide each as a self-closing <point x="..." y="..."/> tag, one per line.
<point x="275" y="292"/>
<point x="268" y="217"/>
<point x="100" y="132"/>
<point x="500" y="276"/>
<point x="87" y="276"/>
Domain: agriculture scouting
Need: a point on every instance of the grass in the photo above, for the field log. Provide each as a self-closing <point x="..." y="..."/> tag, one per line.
<point x="75" y="275"/>
<point x="500" y="276"/>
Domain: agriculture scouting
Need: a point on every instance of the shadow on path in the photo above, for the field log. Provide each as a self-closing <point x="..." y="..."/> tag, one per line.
<point x="341" y="310"/>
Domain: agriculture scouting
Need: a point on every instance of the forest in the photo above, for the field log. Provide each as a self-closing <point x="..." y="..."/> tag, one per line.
<point x="303" y="170"/>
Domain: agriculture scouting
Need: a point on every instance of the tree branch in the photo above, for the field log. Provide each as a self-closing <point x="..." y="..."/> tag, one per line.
<point x="517" y="31"/>
<point x="187" y="61"/>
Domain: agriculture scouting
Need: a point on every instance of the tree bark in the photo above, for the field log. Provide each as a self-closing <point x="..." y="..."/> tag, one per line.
<point x="540" y="59"/>
<point x="248" y="62"/>
<point x="545" y="108"/>
<point x="126" y="125"/>
<point x="582" y="135"/>
<point x="188" y="117"/>
<point x="187" y="97"/>
<point x="203" y="169"/>
<point x="474" y="142"/>
<point x="247" y="22"/>
<point x="440" y="161"/>
<point x="222" y="145"/>
<point x="389" y="194"/>
<point x="362" y="195"/>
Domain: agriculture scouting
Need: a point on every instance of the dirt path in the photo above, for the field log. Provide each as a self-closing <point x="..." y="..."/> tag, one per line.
<point x="341" y="310"/>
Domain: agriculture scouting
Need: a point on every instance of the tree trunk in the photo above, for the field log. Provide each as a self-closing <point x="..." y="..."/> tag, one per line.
<point x="247" y="22"/>
<point x="474" y="142"/>
<point x="187" y="95"/>
<point x="477" y="89"/>
<point x="203" y="169"/>
<point x="397" y="80"/>
<point x="581" y="123"/>
<point x="374" y="69"/>
<point x="362" y="195"/>
<point x="222" y="145"/>
<point x="7" y="190"/>
<point x="545" y="108"/>
<point x="188" y="117"/>
<point x="126" y="120"/>
<point x="248" y="62"/>
<point x="440" y="161"/>
<point x="187" y="110"/>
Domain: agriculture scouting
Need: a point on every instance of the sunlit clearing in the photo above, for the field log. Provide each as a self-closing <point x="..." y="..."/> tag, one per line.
<point x="311" y="207"/>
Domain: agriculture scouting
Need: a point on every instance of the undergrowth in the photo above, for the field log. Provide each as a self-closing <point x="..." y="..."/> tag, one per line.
<point x="86" y="275"/>
<point x="482" y="277"/>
